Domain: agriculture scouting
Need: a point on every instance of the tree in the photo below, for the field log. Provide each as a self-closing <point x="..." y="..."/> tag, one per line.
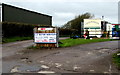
<point x="75" y="24"/>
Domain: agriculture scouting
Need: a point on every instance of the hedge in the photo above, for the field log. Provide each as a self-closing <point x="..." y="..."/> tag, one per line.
<point x="68" y="32"/>
<point x="11" y="29"/>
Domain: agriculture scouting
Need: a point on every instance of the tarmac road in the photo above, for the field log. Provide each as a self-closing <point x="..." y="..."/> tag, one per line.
<point x="9" y="49"/>
<point x="87" y="58"/>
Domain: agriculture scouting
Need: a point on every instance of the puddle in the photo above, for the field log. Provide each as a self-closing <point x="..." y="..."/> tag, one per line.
<point x="102" y="48"/>
<point x="26" y="68"/>
<point x="29" y="68"/>
<point x="14" y="66"/>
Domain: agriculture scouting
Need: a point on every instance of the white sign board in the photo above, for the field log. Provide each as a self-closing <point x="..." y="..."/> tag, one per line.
<point x="92" y="23"/>
<point x="45" y="37"/>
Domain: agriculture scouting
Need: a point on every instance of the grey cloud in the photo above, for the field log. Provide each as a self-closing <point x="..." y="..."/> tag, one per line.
<point x="65" y="11"/>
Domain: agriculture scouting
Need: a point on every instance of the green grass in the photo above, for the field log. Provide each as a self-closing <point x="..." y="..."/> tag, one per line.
<point x="13" y="39"/>
<point x="73" y="42"/>
<point x="116" y="59"/>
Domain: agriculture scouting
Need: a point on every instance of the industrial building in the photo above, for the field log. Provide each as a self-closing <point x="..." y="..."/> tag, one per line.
<point x="9" y="13"/>
<point x="98" y="28"/>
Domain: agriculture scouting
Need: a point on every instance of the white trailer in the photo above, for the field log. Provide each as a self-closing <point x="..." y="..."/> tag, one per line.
<point x="97" y="27"/>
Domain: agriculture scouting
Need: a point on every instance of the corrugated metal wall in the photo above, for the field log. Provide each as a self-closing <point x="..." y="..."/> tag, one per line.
<point x="15" y="14"/>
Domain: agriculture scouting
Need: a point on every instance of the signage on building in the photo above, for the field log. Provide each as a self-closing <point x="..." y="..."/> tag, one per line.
<point x="92" y="23"/>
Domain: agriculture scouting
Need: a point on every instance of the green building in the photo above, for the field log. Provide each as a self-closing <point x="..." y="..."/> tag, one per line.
<point x="9" y="13"/>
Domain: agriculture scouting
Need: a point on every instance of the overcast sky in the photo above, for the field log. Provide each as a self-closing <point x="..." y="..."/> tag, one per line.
<point x="63" y="11"/>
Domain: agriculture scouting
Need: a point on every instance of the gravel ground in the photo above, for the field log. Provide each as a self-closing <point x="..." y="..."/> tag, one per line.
<point x="87" y="58"/>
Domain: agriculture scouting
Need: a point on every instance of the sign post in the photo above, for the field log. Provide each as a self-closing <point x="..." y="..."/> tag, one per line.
<point x="46" y="37"/>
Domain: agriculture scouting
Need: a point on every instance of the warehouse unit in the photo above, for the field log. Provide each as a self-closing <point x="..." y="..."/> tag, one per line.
<point x="19" y="15"/>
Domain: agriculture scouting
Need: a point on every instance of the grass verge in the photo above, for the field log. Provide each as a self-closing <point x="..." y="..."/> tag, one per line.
<point x="13" y="39"/>
<point x="73" y="42"/>
<point x="116" y="59"/>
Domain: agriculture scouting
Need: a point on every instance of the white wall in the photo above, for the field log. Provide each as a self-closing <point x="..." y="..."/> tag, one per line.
<point x="109" y="28"/>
